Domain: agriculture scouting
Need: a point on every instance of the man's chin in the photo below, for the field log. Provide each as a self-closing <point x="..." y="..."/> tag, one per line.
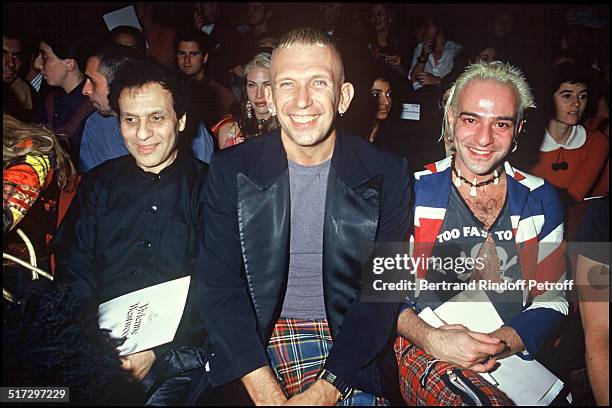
<point x="478" y="169"/>
<point x="9" y="79"/>
<point x="106" y="113"/>
<point x="306" y="139"/>
<point x="190" y="73"/>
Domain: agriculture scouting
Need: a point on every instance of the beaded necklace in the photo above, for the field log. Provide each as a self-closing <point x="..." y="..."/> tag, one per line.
<point x="474" y="185"/>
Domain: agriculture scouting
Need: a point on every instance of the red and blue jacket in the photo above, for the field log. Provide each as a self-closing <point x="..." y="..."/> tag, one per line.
<point x="537" y="222"/>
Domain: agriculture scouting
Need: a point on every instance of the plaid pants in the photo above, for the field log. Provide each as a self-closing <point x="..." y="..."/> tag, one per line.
<point x="297" y="351"/>
<point x="423" y="382"/>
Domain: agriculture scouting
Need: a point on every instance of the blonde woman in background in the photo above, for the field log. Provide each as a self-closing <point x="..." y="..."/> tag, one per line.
<point x="252" y="117"/>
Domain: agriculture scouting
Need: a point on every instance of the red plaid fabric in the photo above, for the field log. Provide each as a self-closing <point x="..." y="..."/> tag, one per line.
<point x="413" y="362"/>
<point x="298" y="349"/>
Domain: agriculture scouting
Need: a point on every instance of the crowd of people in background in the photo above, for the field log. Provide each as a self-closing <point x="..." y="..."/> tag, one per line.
<point x="62" y="116"/>
<point x="419" y="50"/>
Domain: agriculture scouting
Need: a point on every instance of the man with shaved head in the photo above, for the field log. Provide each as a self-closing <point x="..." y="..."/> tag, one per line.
<point x="286" y="215"/>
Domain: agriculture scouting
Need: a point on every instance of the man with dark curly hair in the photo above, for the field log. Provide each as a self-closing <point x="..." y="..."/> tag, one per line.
<point x="135" y="221"/>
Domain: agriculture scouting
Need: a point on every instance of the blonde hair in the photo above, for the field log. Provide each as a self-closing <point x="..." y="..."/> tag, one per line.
<point x="43" y="142"/>
<point x="250" y="126"/>
<point x="261" y="60"/>
<point x="307" y="37"/>
<point x="487" y="71"/>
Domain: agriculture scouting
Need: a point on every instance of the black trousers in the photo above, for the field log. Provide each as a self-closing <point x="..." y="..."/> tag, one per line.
<point x="171" y="378"/>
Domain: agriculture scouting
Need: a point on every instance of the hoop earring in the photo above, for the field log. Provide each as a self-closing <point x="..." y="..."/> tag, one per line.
<point x="515" y="146"/>
<point x="249" y="110"/>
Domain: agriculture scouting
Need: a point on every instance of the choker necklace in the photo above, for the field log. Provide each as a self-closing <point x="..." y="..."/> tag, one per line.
<point x="259" y="127"/>
<point x="260" y="123"/>
<point x="474" y="185"/>
<point x="559" y="165"/>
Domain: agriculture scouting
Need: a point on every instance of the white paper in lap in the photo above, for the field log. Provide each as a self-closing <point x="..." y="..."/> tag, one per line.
<point x="525" y="382"/>
<point x="148" y="317"/>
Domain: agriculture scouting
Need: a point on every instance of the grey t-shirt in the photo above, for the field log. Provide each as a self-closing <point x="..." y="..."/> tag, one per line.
<point x="304" y="296"/>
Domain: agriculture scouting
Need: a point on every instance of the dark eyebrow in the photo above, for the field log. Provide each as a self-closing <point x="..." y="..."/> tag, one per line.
<point x="155" y="112"/>
<point x="250" y="81"/>
<point x="570" y="91"/>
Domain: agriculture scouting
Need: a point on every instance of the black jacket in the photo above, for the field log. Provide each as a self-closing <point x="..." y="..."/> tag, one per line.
<point x="242" y="274"/>
<point x="128" y="229"/>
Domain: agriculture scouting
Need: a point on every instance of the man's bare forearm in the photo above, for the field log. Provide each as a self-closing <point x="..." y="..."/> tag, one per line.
<point x="596" y="323"/>
<point x="597" y="364"/>
<point x="319" y="393"/>
<point x="263" y="388"/>
<point x="418" y="68"/>
<point x="510" y="337"/>
<point x="412" y="327"/>
<point x="453" y="343"/>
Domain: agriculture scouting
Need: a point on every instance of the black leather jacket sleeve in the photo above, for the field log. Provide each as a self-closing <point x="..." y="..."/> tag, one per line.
<point x="369" y="327"/>
<point x="221" y="287"/>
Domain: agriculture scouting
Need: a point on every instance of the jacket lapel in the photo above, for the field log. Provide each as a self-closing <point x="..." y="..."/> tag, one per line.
<point x="517" y="195"/>
<point x="264" y="221"/>
<point x="523" y="208"/>
<point x="352" y="211"/>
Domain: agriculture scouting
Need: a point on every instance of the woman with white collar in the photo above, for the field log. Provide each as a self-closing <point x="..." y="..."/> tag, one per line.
<point x="571" y="158"/>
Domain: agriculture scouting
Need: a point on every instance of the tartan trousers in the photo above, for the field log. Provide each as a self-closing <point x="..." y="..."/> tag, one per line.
<point x="297" y="351"/>
<point x="423" y="380"/>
